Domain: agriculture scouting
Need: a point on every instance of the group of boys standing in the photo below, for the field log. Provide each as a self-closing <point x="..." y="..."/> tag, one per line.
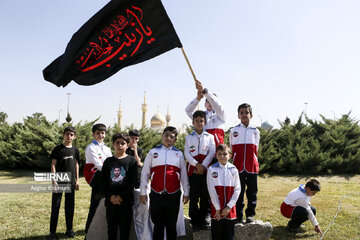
<point x="205" y="175"/>
<point x="206" y="178"/>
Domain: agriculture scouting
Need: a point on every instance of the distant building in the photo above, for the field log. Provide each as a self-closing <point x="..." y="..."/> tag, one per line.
<point x="157" y="122"/>
<point x="266" y="125"/>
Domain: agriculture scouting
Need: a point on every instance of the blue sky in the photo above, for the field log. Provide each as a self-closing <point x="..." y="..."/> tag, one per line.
<point x="276" y="55"/>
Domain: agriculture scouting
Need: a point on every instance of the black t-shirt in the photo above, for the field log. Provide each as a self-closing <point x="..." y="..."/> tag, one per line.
<point x="66" y="158"/>
<point x="131" y="152"/>
<point x="119" y="177"/>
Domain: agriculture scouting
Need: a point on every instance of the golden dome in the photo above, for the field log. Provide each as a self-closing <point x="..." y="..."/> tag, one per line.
<point x="157" y="120"/>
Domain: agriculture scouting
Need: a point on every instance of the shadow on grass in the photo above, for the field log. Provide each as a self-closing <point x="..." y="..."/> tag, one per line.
<point x="80" y="233"/>
<point x="280" y="233"/>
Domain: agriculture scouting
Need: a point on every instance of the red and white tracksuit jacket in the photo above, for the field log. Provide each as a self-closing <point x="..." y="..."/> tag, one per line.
<point x="244" y="142"/>
<point x="298" y="197"/>
<point x="224" y="188"/>
<point x="95" y="155"/>
<point x="166" y="169"/>
<point x="199" y="149"/>
<point x="215" y="120"/>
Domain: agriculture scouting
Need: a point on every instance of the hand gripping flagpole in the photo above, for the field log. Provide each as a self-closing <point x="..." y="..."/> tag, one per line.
<point x="187" y="60"/>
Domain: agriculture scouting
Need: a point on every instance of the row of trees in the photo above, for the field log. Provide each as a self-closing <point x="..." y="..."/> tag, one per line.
<point x="306" y="146"/>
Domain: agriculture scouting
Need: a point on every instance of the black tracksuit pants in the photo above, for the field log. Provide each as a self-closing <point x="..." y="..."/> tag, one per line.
<point x="119" y="216"/>
<point x="94" y="203"/>
<point x="198" y="191"/>
<point x="299" y="215"/>
<point x="222" y="230"/>
<point x="69" y="210"/>
<point x="164" y="210"/>
<point x="248" y="181"/>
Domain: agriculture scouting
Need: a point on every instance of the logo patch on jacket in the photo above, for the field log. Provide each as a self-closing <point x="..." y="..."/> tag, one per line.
<point x="192" y="148"/>
<point x="214" y="174"/>
<point x="235" y="134"/>
<point x="155" y="155"/>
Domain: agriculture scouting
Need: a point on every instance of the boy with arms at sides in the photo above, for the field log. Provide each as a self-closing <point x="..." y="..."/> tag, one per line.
<point x="142" y="222"/>
<point x="119" y="177"/>
<point x="224" y="189"/>
<point x="165" y="166"/>
<point x="95" y="154"/>
<point x="244" y="141"/>
<point x="65" y="158"/>
<point x="199" y="152"/>
<point x="215" y="114"/>
<point x="297" y="206"/>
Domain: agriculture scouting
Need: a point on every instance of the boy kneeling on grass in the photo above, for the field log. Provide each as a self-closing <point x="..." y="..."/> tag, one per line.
<point x="224" y="187"/>
<point x="297" y="206"/>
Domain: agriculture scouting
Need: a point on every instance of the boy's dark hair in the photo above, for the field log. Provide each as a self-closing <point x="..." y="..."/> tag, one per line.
<point x="171" y="129"/>
<point x="245" y="105"/>
<point x="223" y="147"/>
<point x="69" y="129"/>
<point x="99" y="126"/>
<point x="122" y="135"/>
<point x="199" y="113"/>
<point x="313" y="185"/>
<point x="134" y="132"/>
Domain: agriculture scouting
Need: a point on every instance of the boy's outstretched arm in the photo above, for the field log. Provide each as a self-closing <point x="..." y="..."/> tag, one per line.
<point x="190" y="108"/>
<point x="317" y="229"/>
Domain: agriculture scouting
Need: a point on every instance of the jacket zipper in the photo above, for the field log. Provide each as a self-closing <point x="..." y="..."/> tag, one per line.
<point x="166" y="153"/>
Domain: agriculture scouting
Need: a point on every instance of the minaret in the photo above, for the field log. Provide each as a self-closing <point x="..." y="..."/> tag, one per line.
<point x="168" y="117"/>
<point x="119" y="116"/>
<point x="144" y="109"/>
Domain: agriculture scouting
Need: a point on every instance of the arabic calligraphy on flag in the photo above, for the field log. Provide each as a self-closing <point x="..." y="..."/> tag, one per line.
<point x="123" y="33"/>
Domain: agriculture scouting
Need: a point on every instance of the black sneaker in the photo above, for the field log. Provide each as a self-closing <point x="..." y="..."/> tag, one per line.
<point x="70" y="234"/>
<point x="250" y="219"/>
<point x="52" y="236"/>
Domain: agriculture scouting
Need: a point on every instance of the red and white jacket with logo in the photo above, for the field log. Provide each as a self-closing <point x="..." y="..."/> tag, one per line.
<point x="224" y="188"/>
<point x="166" y="169"/>
<point x="244" y="142"/>
<point x="215" y="120"/>
<point x="95" y="155"/>
<point x="199" y="149"/>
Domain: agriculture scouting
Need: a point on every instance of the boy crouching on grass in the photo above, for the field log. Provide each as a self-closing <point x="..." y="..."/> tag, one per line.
<point x="297" y="206"/>
<point x="224" y="188"/>
<point x="65" y="158"/>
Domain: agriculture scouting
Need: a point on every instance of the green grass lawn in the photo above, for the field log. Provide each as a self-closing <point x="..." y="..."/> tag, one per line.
<point x="26" y="215"/>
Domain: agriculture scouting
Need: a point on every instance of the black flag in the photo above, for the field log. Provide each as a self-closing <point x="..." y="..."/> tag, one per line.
<point x="122" y="33"/>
